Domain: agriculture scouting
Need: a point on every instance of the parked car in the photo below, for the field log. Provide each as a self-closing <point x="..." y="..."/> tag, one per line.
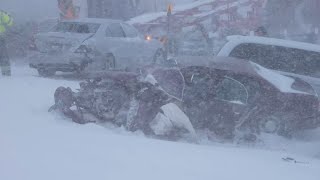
<point x="222" y="96"/>
<point x="97" y="44"/>
<point x="43" y="26"/>
<point x="290" y="58"/>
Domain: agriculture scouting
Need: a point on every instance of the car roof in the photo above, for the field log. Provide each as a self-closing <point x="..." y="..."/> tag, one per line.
<point x="222" y="63"/>
<point x="94" y="20"/>
<point x="240" y="66"/>
<point x="273" y="41"/>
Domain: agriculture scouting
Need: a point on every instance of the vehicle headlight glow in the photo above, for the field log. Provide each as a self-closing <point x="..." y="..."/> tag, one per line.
<point x="148" y="37"/>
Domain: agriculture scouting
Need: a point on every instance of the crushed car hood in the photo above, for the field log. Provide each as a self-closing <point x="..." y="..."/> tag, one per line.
<point x="59" y="42"/>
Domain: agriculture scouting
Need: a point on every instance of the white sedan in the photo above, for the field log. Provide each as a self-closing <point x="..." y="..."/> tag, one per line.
<point x="98" y="44"/>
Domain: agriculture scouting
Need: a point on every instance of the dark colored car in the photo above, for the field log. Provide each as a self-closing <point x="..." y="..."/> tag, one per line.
<point x="218" y="96"/>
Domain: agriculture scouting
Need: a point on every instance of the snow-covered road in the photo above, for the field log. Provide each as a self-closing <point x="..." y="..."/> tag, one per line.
<point x="37" y="145"/>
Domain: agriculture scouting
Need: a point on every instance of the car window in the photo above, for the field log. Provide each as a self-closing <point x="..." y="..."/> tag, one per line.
<point x="280" y="58"/>
<point x="253" y="86"/>
<point x="171" y="81"/>
<point x="130" y="31"/>
<point x="302" y="86"/>
<point x="115" y="30"/>
<point x="200" y="83"/>
<point x="231" y="90"/>
<point x="75" y="27"/>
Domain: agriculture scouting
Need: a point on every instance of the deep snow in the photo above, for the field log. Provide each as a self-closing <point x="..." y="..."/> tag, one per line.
<point x="37" y="145"/>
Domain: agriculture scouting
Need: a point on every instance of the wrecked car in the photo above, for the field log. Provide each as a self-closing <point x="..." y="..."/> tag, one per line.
<point x="217" y="96"/>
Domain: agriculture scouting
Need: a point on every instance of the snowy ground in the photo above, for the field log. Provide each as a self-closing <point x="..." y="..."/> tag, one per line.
<point x="37" y="145"/>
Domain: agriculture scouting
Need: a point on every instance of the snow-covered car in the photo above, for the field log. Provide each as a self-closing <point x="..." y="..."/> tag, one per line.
<point x="290" y="58"/>
<point x="43" y="26"/>
<point x="96" y="44"/>
<point x="221" y="96"/>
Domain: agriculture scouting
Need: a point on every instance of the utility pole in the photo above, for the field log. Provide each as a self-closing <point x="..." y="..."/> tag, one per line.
<point x="168" y="42"/>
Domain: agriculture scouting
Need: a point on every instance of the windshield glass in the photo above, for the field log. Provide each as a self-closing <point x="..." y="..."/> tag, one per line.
<point x="171" y="81"/>
<point x="75" y="27"/>
<point x="279" y="58"/>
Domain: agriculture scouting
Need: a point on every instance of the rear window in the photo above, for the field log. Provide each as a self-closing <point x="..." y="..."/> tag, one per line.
<point x="302" y="86"/>
<point x="280" y="58"/>
<point x="75" y="27"/>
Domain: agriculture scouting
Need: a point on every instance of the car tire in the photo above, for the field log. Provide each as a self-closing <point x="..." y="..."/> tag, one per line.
<point x="46" y="73"/>
<point x="159" y="57"/>
<point x="270" y="124"/>
<point x="109" y="62"/>
<point x="275" y="124"/>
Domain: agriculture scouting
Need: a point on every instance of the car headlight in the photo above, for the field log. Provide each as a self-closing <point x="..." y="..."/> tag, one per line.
<point x="148" y="38"/>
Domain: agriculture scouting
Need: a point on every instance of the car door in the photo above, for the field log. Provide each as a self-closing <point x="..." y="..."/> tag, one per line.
<point x="134" y="44"/>
<point x="215" y="102"/>
<point x="114" y="42"/>
<point x="139" y="48"/>
<point x="230" y="102"/>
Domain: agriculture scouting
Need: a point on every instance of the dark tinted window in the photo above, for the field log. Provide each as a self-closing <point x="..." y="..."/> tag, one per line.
<point x="115" y="30"/>
<point x="302" y="86"/>
<point x="74" y="27"/>
<point x="280" y="58"/>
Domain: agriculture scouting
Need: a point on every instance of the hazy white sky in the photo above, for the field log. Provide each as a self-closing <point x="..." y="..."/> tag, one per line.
<point x="23" y="10"/>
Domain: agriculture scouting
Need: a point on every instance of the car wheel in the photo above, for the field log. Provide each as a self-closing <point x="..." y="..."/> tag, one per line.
<point x="109" y="62"/>
<point x="270" y="124"/>
<point x="159" y="57"/>
<point x="45" y="72"/>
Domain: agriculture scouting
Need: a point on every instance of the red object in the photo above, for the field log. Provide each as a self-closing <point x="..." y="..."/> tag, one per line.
<point x="67" y="9"/>
<point x="223" y="14"/>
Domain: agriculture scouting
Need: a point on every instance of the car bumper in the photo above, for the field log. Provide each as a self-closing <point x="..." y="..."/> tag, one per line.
<point x="65" y="62"/>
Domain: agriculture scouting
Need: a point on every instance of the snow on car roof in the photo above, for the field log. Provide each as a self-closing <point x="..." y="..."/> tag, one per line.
<point x="281" y="82"/>
<point x="94" y="20"/>
<point x="235" y="40"/>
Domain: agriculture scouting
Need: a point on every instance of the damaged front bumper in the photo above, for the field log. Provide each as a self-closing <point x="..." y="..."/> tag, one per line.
<point x="63" y="63"/>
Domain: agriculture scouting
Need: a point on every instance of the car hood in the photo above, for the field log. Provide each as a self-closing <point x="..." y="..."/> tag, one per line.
<point x="60" y="41"/>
